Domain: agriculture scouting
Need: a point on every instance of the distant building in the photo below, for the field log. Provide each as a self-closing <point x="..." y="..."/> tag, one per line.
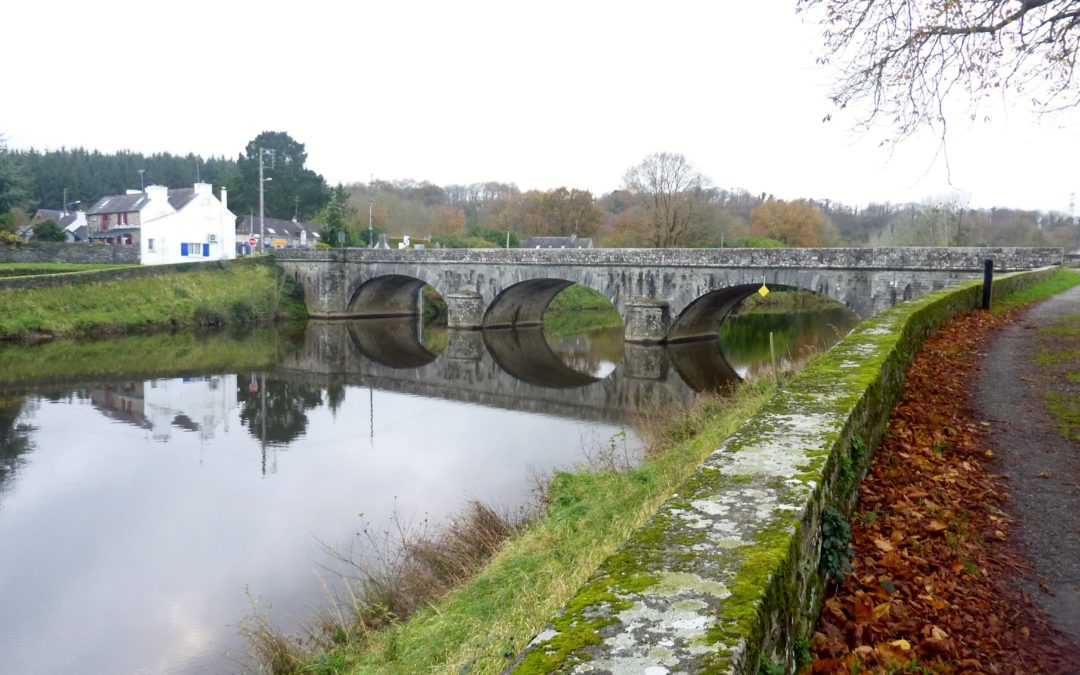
<point x="573" y="241"/>
<point x="279" y="233"/>
<point x="168" y="226"/>
<point x="73" y="223"/>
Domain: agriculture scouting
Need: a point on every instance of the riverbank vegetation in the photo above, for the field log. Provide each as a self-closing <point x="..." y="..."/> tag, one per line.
<point x="577" y="309"/>
<point x="226" y="294"/>
<point x="482" y="624"/>
<point x="135" y="357"/>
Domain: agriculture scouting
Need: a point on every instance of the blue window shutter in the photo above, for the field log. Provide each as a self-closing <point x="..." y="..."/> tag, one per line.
<point x="183" y="249"/>
<point x="206" y="250"/>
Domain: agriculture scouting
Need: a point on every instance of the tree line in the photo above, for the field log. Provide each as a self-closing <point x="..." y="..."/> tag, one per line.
<point x="77" y="177"/>
<point x="664" y="201"/>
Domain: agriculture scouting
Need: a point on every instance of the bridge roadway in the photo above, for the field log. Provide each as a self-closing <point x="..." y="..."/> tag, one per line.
<point x="663" y="295"/>
<point x="510" y="369"/>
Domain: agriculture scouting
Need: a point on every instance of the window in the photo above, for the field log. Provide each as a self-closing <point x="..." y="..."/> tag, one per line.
<point x="104" y="222"/>
<point x="195" y="250"/>
<point x="150" y="244"/>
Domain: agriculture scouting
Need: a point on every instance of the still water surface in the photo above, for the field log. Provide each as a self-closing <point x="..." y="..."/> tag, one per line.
<point x="142" y="519"/>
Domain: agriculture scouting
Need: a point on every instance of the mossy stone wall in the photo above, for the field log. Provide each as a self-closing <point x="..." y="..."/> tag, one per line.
<point x="727" y="573"/>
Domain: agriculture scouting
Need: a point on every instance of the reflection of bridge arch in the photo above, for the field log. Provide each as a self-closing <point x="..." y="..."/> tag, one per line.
<point x="526" y="355"/>
<point x="394" y="343"/>
<point x="702" y="365"/>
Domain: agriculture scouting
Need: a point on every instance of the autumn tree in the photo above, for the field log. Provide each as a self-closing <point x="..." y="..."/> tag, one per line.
<point x="670" y="191"/>
<point x="904" y="58"/>
<point x="797" y="223"/>
<point x="449" y="220"/>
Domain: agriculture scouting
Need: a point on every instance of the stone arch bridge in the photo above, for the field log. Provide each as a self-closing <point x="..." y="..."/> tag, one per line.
<point x="663" y="295"/>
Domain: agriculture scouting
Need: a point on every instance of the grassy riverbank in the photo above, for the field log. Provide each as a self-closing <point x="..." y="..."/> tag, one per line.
<point x="245" y="293"/>
<point x="479" y="626"/>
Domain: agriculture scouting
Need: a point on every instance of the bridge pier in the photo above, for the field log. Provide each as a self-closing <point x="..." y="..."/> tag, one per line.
<point x="464" y="309"/>
<point x="647" y="321"/>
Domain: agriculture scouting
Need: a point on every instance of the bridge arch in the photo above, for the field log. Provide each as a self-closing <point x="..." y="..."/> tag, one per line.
<point x="523" y="303"/>
<point x="386" y="295"/>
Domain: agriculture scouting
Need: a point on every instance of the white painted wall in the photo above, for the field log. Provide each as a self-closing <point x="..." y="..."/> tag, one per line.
<point x="203" y="218"/>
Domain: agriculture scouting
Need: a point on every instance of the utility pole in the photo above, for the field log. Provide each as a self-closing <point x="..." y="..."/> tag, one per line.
<point x="142" y="183"/>
<point x="371" y="211"/>
<point x="262" y="219"/>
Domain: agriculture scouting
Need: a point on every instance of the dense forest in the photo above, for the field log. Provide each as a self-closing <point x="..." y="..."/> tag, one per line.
<point x="664" y="201"/>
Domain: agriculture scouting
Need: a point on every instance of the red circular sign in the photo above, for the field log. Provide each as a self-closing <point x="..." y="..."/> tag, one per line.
<point x="252" y="241"/>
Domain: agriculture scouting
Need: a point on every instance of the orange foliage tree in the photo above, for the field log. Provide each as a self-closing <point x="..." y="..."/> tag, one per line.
<point x="797" y="223"/>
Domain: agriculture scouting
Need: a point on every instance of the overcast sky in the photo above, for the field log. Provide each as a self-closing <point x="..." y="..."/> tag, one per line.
<point x="538" y="94"/>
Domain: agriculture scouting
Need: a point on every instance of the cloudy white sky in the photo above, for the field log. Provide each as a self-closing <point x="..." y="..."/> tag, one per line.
<point x="538" y="94"/>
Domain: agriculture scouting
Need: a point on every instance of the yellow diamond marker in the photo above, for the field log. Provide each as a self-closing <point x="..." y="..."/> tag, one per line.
<point x="763" y="291"/>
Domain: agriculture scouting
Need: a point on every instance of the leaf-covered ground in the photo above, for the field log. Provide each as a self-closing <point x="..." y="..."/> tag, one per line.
<point x="933" y="587"/>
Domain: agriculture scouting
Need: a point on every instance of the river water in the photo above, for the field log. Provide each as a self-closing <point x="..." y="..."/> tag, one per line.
<point x="155" y="491"/>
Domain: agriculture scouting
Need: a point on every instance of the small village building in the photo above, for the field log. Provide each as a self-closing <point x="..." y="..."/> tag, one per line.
<point x="73" y="223"/>
<point x="279" y="233"/>
<point x="168" y="226"/>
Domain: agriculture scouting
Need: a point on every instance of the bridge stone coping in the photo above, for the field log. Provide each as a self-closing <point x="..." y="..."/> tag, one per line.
<point x="662" y="294"/>
<point x="727" y="573"/>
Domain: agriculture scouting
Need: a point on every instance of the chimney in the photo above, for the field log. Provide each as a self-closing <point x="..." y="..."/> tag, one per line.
<point x="224" y="197"/>
<point x="157" y="193"/>
<point x="203" y="189"/>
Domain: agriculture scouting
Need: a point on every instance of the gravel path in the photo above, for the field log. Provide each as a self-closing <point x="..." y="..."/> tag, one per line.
<point x="1026" y="363"/>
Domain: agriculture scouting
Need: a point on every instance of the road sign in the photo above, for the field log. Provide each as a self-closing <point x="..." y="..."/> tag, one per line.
<point x="252" y="241"/>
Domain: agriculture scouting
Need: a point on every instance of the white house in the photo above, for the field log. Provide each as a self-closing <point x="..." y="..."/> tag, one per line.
<point x="168" y="226"/>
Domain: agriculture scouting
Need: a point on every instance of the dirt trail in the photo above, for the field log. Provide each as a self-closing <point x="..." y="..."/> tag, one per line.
<point x="1029" y="389"/>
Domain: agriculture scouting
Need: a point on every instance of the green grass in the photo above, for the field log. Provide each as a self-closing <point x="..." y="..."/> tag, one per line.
<point x="1062" y="280"/>
<point x="136" y="356"/>
<point x="1066" y="411"/>
<point x="41" y="268"/>
<point x="579" y="309"/>
<point x="480" y="626"/>
<point x="230" y="294"/>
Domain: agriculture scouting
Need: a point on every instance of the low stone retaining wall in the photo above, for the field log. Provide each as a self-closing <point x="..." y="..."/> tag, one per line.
<point x="93" y="276"/>
<point x="728" y="573"/>
<point x="39" y="252"/>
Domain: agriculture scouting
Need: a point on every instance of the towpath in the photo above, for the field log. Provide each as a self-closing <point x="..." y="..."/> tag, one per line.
<point x="1029" y="389"/>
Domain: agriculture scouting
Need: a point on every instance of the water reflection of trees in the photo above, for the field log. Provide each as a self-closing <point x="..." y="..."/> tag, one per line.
<point x="276" y="412"/>
<point x="745" y="339"/>
<point x="14" y="438"/>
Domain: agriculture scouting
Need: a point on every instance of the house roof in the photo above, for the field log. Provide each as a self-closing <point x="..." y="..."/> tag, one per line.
<point x="178" y="198"/>
<point x="557" y="242"/>
<point x="119" y="204"/>
<point x="278" y="228"/>
<point x="64" y="220"/>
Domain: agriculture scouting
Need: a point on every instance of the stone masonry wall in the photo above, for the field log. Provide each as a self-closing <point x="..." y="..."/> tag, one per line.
<point x="40" y="252"/>
<point x="727" y="572"/>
